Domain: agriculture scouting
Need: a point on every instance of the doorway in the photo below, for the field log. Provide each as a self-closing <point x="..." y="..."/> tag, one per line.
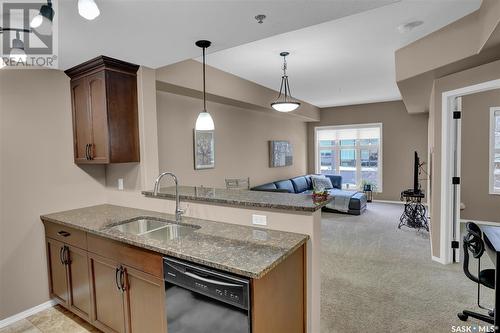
<point x="451" y="162"/>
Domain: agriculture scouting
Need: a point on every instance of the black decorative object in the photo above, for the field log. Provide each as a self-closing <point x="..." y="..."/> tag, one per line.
<point x="367" y="189"/>
<point x="415" y="213"/>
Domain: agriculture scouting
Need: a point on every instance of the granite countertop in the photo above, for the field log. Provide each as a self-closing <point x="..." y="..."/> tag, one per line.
<point x="245" y="198"/>
<point x="243" y="250"/>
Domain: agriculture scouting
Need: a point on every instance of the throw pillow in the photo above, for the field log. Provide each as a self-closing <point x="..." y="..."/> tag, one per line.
<point x="321" y="183"/>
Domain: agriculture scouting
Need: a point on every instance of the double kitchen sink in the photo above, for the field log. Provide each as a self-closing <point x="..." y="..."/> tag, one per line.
<point x="155" y="228"/>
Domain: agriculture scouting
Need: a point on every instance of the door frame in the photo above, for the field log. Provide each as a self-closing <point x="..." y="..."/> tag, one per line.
<point x="448" y="146"/>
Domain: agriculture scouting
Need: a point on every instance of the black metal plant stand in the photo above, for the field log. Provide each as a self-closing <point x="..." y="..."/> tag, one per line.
<point x="414" y="214"/>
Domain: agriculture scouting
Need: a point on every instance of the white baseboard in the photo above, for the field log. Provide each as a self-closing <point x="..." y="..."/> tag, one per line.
<point x="389" y="201"/>
<point x="480" y="222"/>
<point x="438" y="259"/>
<point x="26" y="313"/>
<point x="395" y="202"/>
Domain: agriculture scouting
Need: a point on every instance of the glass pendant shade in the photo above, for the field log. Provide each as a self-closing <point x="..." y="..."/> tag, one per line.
<point x="204" y="122"/>
<point x="44" y="25"/>
<point x="36" y="21"/>
<point x="285" y="106"/>
<point x="285" y="102"/>
<point x="88" y="9"/>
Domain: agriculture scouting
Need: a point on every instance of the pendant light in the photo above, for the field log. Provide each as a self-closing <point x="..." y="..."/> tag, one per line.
<point x="204" y="121"/>
<point x="286" y="103"/>
<point x="42" y="22"/>
<point x="17" y="52"/>
<point x="88" y="9"/>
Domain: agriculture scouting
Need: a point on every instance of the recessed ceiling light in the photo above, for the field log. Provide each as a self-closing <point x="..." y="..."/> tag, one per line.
<point x="407" y="27"/>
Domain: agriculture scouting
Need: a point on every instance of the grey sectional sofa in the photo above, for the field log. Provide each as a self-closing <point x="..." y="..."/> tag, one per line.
<point x="303" y="185"/>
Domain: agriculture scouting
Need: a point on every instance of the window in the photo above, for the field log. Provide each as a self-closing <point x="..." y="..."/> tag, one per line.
<point x="495" y="151"/>
<point x="354" y="152"/>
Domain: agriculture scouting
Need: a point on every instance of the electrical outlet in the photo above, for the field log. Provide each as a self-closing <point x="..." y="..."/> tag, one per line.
<point x="120" y="184"/>
<point x="259" y="219"/>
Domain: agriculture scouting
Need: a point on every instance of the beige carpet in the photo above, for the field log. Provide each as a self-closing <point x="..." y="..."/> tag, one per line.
<point x="376" y="278"/>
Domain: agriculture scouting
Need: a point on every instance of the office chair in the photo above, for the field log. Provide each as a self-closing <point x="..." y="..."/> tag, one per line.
<point x="473" y="243"/>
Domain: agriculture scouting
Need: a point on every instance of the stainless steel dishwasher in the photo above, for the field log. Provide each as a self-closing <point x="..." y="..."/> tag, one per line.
<point x="202" y="300"/>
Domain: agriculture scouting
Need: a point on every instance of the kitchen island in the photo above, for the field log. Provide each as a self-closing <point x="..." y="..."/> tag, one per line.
<point x="296" y="213"/>
<point x="96" y="268"/>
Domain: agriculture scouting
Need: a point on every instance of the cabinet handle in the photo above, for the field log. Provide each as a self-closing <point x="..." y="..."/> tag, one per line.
<point x="117" y="272"/>
<point x="91" y="151"/>
<point x="87" y="151"/>
<point x="67" y="259"/>
<point x="61" y="255"/>
<point x="122" y="279"/>
<point x="64" y="233"/>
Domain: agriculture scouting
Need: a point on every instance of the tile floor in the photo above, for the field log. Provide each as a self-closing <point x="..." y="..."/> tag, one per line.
<point x="53" y="320"/>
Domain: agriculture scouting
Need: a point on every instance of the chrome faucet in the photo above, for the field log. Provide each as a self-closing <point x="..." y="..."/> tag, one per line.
<point x="178" y="210"/>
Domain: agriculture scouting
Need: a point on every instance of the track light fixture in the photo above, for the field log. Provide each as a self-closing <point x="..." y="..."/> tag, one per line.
<point x="17" y="52"/>
<point x="42" y="22"/>
<point x="285" y="103"/>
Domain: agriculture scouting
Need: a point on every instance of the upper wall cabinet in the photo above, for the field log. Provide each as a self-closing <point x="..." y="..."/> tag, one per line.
<point x="104" y="104"/>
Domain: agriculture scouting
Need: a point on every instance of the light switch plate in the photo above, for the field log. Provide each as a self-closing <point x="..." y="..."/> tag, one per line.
<point x="120" y="184"/>
<point x="259" y="219"/>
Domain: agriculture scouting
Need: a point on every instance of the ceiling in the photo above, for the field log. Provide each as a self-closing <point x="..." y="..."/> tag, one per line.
<point x="157" y="33"/>
<point x="345" y="61"/>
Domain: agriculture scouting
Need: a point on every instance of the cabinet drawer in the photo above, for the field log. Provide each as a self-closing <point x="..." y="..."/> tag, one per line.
<point x="66" y="235"/>
<point x="140" y="259"/>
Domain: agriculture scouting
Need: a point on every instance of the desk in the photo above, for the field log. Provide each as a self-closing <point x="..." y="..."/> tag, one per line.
<point x="492" y="242"/>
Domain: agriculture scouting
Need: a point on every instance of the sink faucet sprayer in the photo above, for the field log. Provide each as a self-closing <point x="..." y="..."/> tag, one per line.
<point x="178" y="210"/>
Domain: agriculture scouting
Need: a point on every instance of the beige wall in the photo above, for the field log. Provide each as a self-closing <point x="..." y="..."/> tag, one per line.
<point x="241" y="142"/>
<point x="484" y="73"/>
<point x="402" y="134"/>
<point x="37" y="176"/>
<point x="474" y="190"/>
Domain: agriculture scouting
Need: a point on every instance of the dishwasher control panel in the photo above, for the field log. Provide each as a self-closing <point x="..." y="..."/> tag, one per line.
<point x="218" y="285"/>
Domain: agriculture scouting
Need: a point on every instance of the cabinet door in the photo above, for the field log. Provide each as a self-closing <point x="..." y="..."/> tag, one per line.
<point x="58" y="284"/>
<point x="82" y="121"/>
<point x="98" y="105"/>
<point x="145" y="302"/>
<point x="78" y="279"/>
<point x="108" y="302"/>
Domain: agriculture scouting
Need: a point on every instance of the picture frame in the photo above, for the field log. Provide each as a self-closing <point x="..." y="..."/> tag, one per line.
<point x="280" y="153"/>
<point x="204" y="149"/>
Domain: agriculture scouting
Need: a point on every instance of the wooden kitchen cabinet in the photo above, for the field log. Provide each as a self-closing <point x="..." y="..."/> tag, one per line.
<point x="69" y="276"/>
<point x="125" y="298"/>
<point x="78" y="281"/>
<point x="145" y="302"/>
<point x="119" y="288"/>
<point x="58" y="282"/>
<point x="108" y="312"/>
<point x="104" y="106"/>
